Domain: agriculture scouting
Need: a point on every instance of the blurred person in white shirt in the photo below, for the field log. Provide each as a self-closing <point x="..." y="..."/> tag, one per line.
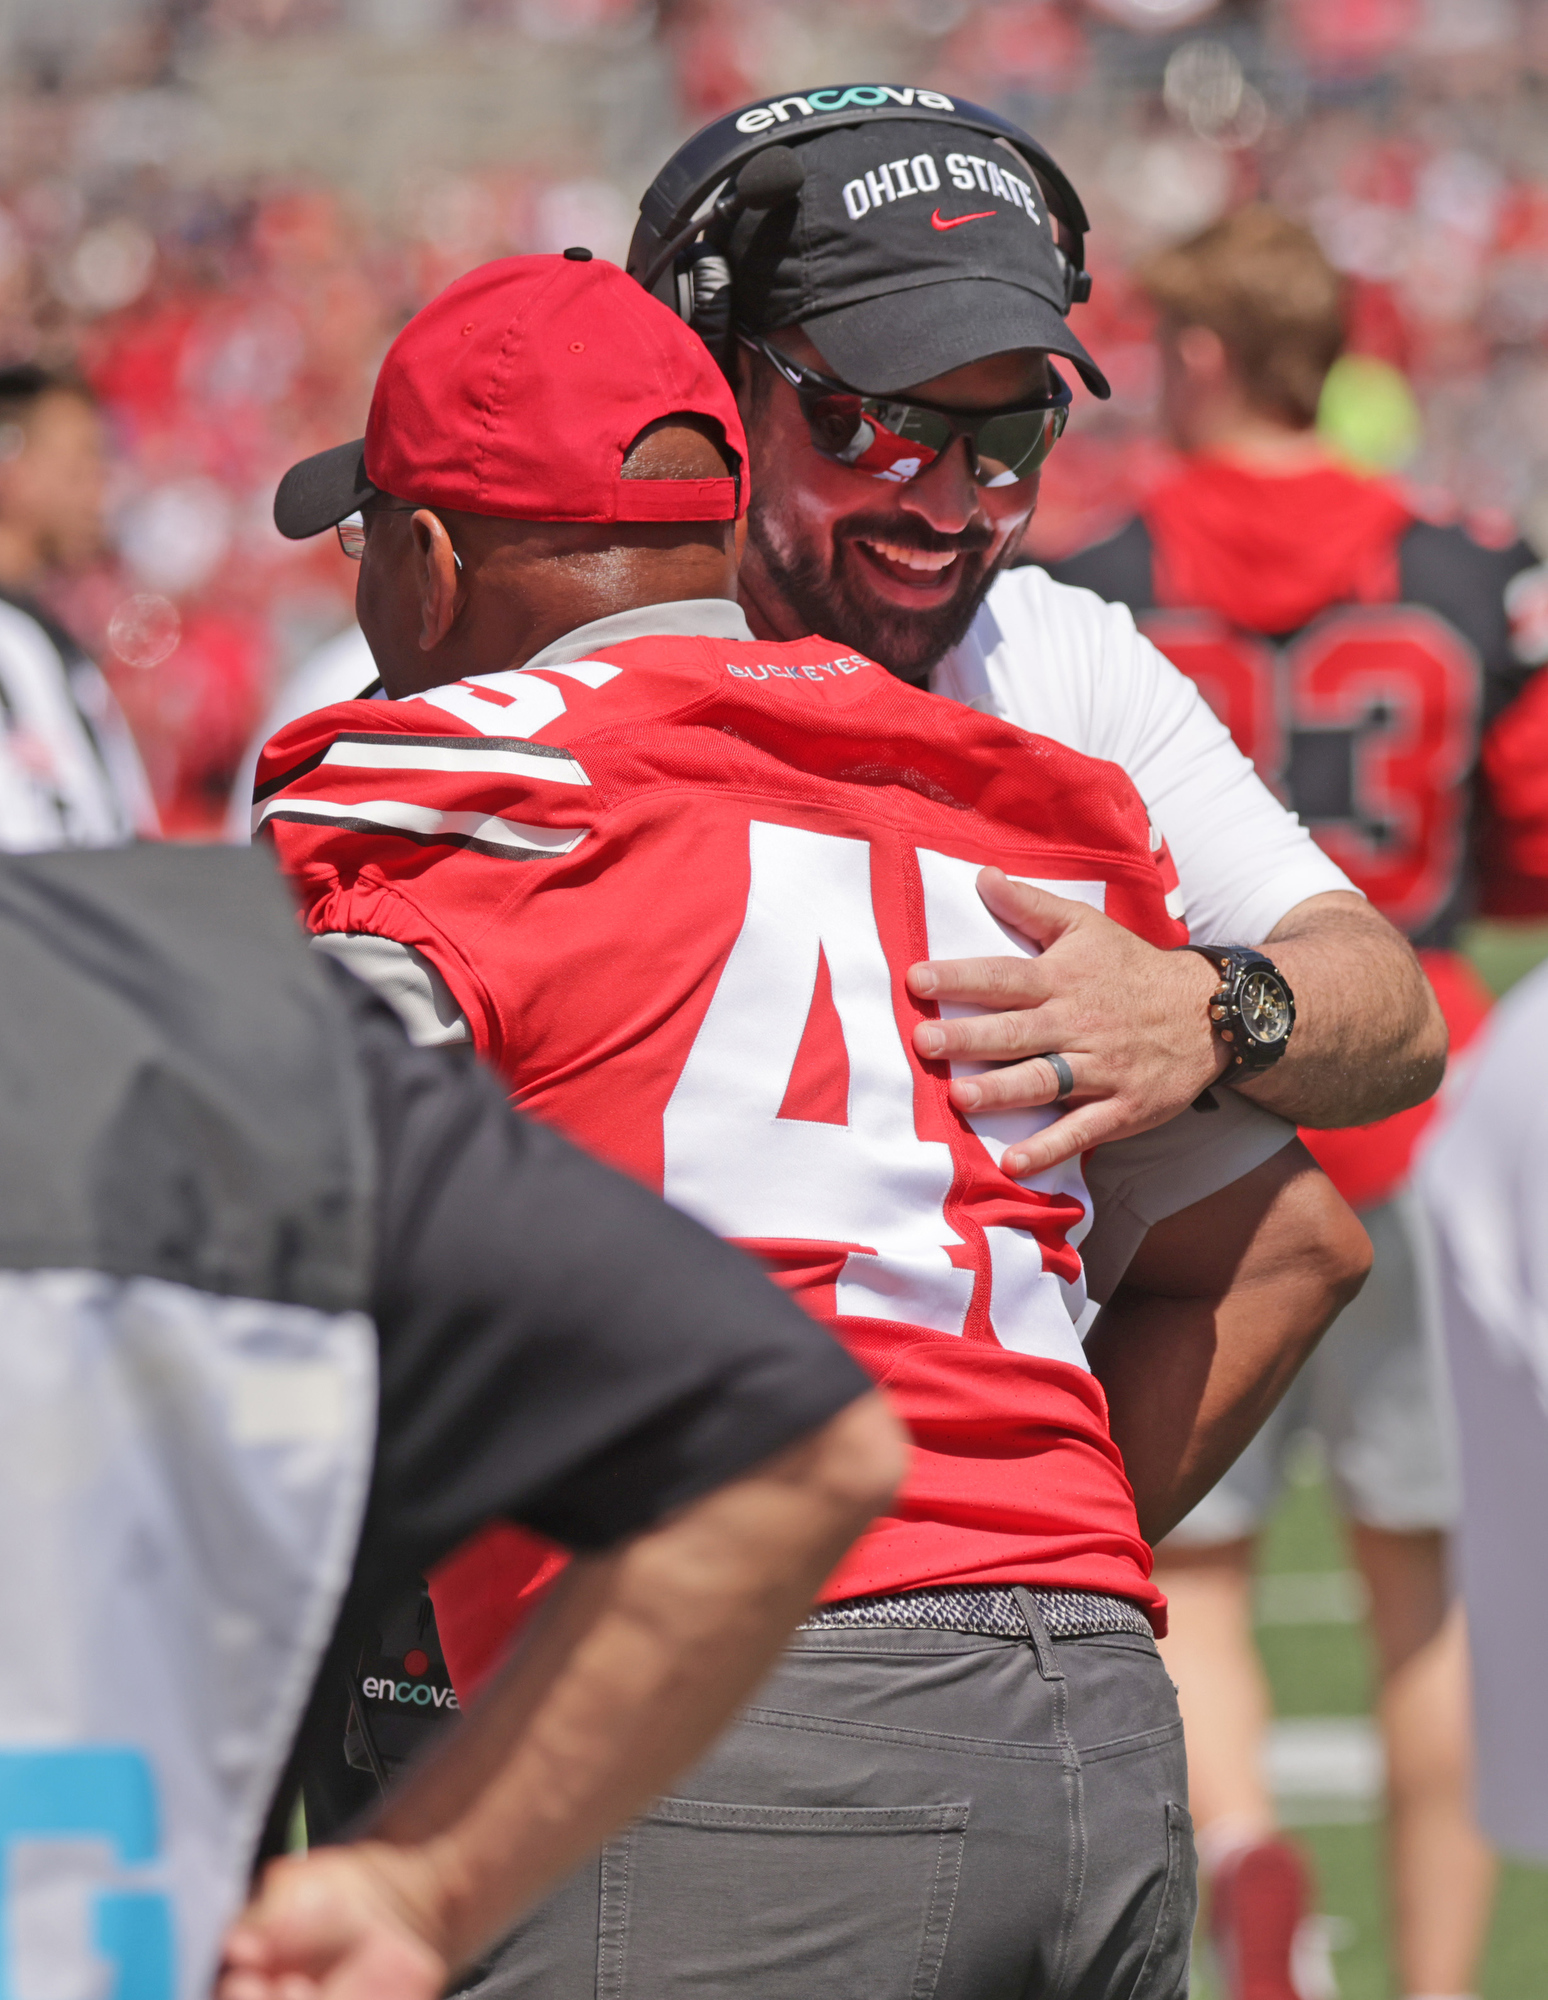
<point x="70" y="775"/>
<point x="1483" y="1180"/>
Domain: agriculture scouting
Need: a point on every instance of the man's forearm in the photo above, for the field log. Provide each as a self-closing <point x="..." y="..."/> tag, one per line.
<point x="638" y="1660"/>
<point x="1369" y="1039"/>
<point x="1222" y="1305"/>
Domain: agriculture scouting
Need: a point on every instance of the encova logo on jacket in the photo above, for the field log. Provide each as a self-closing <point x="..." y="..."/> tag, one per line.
<point x="420" y="1693"/>
<point x="858" y="96"/>
<point x="895" y="180"/>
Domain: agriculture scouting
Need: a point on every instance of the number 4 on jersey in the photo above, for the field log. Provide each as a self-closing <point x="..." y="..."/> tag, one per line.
<point x="794" y="1116"/>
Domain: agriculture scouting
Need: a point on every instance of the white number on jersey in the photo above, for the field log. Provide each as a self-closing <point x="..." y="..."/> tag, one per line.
<point x="872" y="1183"/>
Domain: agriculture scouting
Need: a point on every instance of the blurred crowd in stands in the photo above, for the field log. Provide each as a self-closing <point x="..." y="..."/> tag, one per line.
<point x="229" y="309"/>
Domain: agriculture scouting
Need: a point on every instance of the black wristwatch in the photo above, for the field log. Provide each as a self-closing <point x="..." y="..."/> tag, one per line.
<point x="1254" y="1010"/>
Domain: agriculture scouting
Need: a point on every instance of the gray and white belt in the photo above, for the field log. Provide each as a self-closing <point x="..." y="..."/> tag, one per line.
<point x="990" y="1611"/>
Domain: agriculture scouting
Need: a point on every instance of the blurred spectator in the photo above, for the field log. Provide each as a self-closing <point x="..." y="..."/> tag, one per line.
<point x="1484" y="1179"/>
<point x="69" y="772"/>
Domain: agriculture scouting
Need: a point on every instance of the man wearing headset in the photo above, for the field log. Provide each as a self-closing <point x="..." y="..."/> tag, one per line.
<point x="663" y="875"/>
<point x="885" y="273"/>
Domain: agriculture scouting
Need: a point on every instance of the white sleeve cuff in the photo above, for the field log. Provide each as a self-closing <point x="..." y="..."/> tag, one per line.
<point x="1135" y="1183"/>
<point x="406" y="980"/>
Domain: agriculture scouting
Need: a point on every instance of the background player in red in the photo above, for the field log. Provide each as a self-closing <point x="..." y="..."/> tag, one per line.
<point x="671" y="879"/>
<point x="1357" y="652"/>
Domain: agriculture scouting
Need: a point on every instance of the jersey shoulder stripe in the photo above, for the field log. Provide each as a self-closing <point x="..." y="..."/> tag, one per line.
<point x="485" y="833"/>
<point x="381" y="750"/>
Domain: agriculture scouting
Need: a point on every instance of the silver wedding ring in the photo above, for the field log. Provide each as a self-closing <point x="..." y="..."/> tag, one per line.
<point x="1064" y="1075"/>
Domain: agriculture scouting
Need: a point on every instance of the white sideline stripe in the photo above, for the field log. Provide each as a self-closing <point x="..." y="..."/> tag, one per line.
<point x="398" y="816"/>
<point x="1325" y="1757"/>
<point x="410" y="756"/>
<point x="594" y="673"/>
<point x="1311" y="1597"/>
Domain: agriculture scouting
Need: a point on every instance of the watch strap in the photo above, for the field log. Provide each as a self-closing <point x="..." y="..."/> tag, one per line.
<point x="1232" y="963"/>
<point x="1223" y="956"/>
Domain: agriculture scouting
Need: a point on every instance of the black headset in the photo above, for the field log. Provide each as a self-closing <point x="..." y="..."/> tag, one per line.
<point x="749" y="162"/>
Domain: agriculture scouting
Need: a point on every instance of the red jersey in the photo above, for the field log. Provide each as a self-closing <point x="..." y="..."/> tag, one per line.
<point x="675" y="889"/>
<point x="1356" y="654"/>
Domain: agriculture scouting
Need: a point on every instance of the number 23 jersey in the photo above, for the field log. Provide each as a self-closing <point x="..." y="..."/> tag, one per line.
<point x="674" y="889"/>
<point x="1354" y="652"/>
<point x="1356" y="655"/>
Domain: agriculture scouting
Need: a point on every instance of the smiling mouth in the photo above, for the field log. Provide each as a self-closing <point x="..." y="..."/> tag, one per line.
<point x="919" y="570"/>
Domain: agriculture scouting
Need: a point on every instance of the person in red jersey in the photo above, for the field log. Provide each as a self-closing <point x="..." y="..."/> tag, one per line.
<point x="670" y="879"/>
<point x="1356" y="652"/>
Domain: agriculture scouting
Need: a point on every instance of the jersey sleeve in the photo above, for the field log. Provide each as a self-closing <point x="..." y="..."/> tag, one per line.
<point x="1062" y="663"/>
<point x="397" y="822"/>
<point x="1243" y="861"/>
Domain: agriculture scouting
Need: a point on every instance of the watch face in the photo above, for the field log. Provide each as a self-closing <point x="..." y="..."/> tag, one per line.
<point x="1265" y="1007"/>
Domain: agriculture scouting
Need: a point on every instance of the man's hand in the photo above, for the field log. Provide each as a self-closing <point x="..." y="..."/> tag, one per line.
<point x="343" y="1923"/>
<point x="1132" y="1022"/>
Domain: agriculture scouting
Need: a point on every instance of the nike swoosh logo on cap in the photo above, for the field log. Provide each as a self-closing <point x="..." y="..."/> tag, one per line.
<point x="938" y="221"/>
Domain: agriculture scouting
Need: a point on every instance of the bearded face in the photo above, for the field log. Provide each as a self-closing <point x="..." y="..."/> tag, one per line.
<point x="895" y="571"/>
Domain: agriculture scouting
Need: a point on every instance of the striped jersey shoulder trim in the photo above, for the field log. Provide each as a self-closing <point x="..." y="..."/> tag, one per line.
<point x="397" y="750"/>
<point x="484" y="833"/>
<point x="499" y="756"/>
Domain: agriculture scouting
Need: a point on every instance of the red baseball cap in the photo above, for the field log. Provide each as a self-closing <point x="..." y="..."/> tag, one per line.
<point x="518" y="392"/>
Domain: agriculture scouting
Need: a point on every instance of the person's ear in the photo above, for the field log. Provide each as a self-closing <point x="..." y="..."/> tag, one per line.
<point x="436" y="576"/>
<point x="739" y="540"/>
<point x="1203" y="355"/>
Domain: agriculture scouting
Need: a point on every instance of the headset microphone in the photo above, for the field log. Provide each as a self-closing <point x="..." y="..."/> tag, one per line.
<point x="770" y="177"/>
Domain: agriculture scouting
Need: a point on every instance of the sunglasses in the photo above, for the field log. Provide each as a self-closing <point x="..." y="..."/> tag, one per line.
<point x="896" y="440"/>
<point x="351" y="532"/>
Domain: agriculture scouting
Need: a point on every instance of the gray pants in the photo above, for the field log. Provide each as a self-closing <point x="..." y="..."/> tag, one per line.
<point x="900" y="1816"/>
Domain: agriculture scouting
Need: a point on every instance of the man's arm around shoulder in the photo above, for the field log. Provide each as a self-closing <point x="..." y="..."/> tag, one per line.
<point x="1130" y="1020"/>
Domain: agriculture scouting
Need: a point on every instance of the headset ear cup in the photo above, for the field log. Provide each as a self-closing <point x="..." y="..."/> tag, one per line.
<point x="709" y="287"/>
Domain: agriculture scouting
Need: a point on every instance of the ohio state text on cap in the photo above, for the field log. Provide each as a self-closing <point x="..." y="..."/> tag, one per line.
<point x="912" y="249"/>
<point x="518" y="393"/>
